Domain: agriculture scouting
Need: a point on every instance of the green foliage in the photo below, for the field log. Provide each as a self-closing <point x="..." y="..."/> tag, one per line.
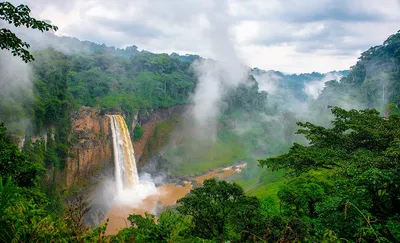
<point x="65" y="82"/>
<point x="145" y="81"/>
<point x="391" y="109"/>
<point x="24" y="217"/>
<point x="357" y="193"/>
<point x="220" y="211"/>
<point x="8" y="194"/>
<point x="27" y="214"/>
<point x="246" y="98"/>
<point x="19" y="16"/>
<point x="268" y="190"/>
<point x="135" y="86"/>
<point x="198" y="156"/>
<point x="35" y="151"/>
<point x="148" y="231"/>
<point x="393" y="225"/>
<point x="138" y="132"/>
<point x="215" y="212"/>
<point x="14" y="163"/>
<point x="169" y="227"/>
<point x="344" y="184"/>
<point x="372" y="82"/>
<point x="354" y="132"/>
<point x="22" y="213"/>
<point x="299" y="196"/>
<point x="268" y="206"/>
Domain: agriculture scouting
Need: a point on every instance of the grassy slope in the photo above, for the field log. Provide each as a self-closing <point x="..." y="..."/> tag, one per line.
<point x="261" y="182"/>
<point x="220" y="154"/>
<point x="161" y="136"/>
<point x="192" y="157"/>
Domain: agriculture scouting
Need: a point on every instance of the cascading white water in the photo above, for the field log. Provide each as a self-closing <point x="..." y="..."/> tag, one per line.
<point x="126" y="175"/>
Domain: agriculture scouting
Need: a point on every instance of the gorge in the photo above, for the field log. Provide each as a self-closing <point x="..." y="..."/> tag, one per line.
<point x="116" y="144"/>
<point x="134" y="197"/>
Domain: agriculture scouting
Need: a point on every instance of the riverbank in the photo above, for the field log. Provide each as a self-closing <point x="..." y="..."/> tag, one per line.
<point x="167" y="195"/>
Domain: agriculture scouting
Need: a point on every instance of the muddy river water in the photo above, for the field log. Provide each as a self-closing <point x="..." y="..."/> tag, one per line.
<point x="167" y="195"/>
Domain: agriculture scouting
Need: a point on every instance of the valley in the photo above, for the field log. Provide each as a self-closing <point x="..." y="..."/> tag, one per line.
<point x="166" y="196"/>
<point x="274" y="127"/>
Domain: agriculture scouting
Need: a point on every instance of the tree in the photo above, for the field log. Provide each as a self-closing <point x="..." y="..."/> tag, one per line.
<point x="169" y="227"/>
<point x="138" y="131"/>
<point x="14" y="163"/>
<point x="359" y="157"/>
<point x="220" y="210"/>
<point x="300" y="195"/>
<point x="391" y="109"/>
<point x="18" y="16"/>
<point x="353" y="132"/>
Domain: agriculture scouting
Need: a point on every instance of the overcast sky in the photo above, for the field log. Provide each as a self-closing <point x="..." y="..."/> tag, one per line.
<point x="287" y="35"/>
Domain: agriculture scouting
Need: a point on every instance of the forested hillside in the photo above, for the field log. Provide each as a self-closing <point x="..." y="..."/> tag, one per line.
<point x="327" y="178"/>
<point x="373" y="81"/>
<point x="294" y="86"/>
<point x="64" y="82"/>
<point x="133" y="82"/>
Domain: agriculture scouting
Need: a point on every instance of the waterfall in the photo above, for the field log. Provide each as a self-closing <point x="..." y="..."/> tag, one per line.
<point x="126" y="175"/>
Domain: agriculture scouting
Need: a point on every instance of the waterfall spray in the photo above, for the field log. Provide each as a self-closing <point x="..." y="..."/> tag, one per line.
<point x="126" y="175"/>
<point x="383" y="94"/>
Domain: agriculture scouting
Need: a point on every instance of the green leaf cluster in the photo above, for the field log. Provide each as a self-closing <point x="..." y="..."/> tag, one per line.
<point x="19" y="16"/>
<point x="356" y="191"/>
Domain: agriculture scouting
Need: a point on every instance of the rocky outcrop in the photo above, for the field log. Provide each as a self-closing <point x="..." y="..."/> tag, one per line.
<point x="140" y="145"/>
<point x="92" y="140"/>
<point x="90" y="160"/>
<point x="162" y="114"/>
<point x="149" y="121"/>
<point x="92" y="145"/>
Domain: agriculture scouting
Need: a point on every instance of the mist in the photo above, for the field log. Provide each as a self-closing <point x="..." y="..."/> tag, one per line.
<point x="17" y="80"/>
<point x="135" y="196"/>
<point x="268" y="81"/>
<point x="105" y="197"/>
<point x="314" y="88"/>
<point x="215" y="77"/>
<point x="15" y="92"/>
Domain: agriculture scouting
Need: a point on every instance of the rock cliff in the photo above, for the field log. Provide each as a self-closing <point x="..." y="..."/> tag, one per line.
<point x="92" y="148"/>
<point x="149" y="121"/>
<point x="91" y="155"/>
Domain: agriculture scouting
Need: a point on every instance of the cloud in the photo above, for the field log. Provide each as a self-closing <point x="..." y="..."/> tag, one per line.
<point x="15" y="91"/>
<point x="128" y="27"/>
<point x="322" y="10"/>
<point x="268" y="81"/>
<point x="215" y="77"/>
<point x="314" y="88"/>
<point x="271" y="34"/>
<point x="316" y="10"/>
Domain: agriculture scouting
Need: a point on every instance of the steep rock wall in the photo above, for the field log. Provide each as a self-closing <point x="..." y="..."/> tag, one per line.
<point x="149" y="121"/>
<point x="92" y="148"/>
<point x="162" y="114"/>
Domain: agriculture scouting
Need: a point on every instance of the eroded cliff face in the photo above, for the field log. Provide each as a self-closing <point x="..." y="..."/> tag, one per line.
<point x="92" y="146"/>
<point x="91" y="155"/>
<point x="162" y="114"/>
<point x="149" y="122"/>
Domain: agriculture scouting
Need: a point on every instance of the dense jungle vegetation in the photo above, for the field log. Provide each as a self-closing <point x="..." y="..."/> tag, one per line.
<point x="336" y="182"/>
<point x="344" y="185"/>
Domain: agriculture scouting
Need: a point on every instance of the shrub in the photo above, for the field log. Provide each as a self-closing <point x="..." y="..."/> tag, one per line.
<point x="138" y="132"/>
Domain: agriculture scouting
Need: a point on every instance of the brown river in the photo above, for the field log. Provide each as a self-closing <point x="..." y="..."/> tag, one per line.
<point x="167" y="195"/>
